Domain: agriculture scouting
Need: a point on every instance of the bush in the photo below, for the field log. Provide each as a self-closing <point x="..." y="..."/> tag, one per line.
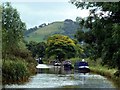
<point x="14" y="71"/>
<point x="73" y="60"/>
<point x="23" y="53"/>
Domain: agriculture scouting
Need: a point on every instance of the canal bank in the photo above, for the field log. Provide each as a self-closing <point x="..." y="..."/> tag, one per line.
<point x="108" y="73"/>
<point x="97" y="68"/>
<point x="64" y="79"/>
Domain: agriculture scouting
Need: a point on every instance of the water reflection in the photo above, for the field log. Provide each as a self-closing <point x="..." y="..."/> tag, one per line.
<point x="58" y="77"/>
<point x="81" y="80"/>
<point x="55" y="70"/>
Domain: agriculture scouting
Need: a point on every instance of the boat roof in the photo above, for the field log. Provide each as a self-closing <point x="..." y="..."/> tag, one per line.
<point x="80" y="63"/>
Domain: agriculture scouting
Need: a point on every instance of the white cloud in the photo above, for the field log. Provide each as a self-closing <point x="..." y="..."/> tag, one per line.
<point x="37" y="13"/>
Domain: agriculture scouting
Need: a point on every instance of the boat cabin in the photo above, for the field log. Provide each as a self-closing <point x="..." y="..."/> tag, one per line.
<point x="82" y="67"/>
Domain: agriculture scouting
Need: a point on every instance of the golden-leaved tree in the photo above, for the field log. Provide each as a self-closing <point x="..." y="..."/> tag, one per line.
<point x="62" y="47"/>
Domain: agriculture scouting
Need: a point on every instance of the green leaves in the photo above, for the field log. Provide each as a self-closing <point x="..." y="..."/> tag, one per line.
<point x="37" y="49"/>
<point x="104" y="34"/>
<point x="14" y="71"/>
<point x="61" y="46"/>
<point x="12" y="27"/>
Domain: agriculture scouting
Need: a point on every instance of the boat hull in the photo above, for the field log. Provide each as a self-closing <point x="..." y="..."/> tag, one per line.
<point x="68" y="66"/>
<point x="83" y="70"/>
<point x="82" y="67"/>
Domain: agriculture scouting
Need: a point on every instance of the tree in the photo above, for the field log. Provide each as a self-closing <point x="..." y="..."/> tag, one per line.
<point x="12" y="28"/>
<point x="32" y="47"/>
<point x="41" y="47"/>
<point x="61" y="46"/>
<point x="37" y="49"/>
<point x="104" y="24"/>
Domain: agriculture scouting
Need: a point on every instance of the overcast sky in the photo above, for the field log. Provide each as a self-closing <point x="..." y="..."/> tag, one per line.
<point x="36" y="13"/>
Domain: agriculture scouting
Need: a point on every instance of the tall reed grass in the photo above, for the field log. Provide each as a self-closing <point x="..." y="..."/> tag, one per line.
<point x="96" y="67"/>
<point x="14" y="71"/>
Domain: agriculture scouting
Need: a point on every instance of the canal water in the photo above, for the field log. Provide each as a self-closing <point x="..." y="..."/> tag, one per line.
<point x="57" y="77"/>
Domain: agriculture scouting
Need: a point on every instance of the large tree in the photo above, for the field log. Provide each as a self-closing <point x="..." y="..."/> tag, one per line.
<point x="104" y="25"/>
<point x="12" y="28"/>
<point x="37" y="49"/>
<point x="61" y="46"/>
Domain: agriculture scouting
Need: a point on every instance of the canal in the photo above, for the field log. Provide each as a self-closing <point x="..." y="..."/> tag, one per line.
<point x="56" y="77"/>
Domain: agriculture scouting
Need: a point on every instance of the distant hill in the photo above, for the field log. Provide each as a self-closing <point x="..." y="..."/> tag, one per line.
<point x="40" y="33"/>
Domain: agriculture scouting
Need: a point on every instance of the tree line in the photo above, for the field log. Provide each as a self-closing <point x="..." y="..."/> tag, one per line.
<point x="100" y="41"/>
<point x="103" y="36"/>
<point x="17" y="62"/>
<point x="58" y="46"/>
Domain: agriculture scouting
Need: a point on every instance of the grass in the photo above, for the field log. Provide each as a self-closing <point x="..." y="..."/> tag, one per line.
<point x="18" y="65"/>
<point x="108" y="73"/>
<point x="15" y="71"/>
<point x="33" y="37"/>
<point x="50" y="28"/>
<point x="73" y="60"/>
<point x="96" y="67"/>
<point x="42" y="33"/>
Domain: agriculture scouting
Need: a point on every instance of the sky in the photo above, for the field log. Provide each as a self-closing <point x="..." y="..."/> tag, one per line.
<point x="35" y="13"/>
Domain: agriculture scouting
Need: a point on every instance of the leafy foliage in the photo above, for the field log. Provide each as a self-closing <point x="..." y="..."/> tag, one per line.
<point x="12" y="28"/>
<point x="17" y="64"/>
<point x="104" y="25"/>
<point x="13" y="71"/>
<point x="37" y="49"/>
<point x="61" y="46"/>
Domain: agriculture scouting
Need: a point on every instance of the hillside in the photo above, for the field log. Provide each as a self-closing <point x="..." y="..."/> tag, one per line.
<point x="38" y="34"/>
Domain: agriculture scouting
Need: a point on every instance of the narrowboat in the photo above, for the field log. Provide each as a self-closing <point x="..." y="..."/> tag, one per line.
<point x="67" y="65"/>
<point x="82" y="66"/>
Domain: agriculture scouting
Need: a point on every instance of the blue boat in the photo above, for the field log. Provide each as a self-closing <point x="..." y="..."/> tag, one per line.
<point x="82" y="66"/>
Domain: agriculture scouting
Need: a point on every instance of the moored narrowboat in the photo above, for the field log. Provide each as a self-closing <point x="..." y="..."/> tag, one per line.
<point x="82" y="66"/>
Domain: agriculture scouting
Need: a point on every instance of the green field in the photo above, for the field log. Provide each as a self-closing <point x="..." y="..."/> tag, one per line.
<point x="39" y="34"/>
<point x="42" y="33"/>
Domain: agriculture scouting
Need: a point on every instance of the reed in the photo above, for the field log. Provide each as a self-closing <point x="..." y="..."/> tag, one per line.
<point x="96" y="67"/>
<point x="14" y="71"/>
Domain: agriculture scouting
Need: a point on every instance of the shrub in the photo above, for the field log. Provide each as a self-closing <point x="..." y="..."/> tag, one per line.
<point x="14" y="71"/>
<point x="23" y="53"/>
